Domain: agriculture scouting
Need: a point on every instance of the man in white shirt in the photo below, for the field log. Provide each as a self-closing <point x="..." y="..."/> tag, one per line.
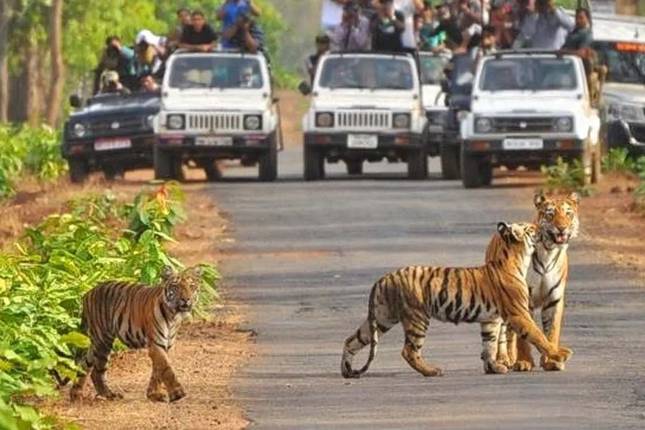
<point x="408" y="8"/>
<point x="331" y="14"/>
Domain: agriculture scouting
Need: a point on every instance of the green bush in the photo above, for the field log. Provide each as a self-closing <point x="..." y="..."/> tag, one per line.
<point x="564" y="176"/>
<point x="618" y="160"/>
<point x="42" y="283"/>
<point x="25" y="150"/>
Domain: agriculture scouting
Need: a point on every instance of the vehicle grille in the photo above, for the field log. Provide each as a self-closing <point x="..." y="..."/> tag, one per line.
<point x="215" y="122"/>
<point x="522" y="125"/>
<point x="117" y="126"/>
<point x="363" y="120"/>
<point x="638" y="132"/>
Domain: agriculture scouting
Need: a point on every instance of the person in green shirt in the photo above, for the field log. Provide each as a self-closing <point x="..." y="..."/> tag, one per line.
<point x="581" y="36"/>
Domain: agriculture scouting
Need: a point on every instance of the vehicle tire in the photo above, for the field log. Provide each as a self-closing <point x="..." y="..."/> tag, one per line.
<point x="212" y="171"/>
<point x="166" y="165"/>
<point x="112" y="173"/>
<point x="314" y="164"/>
<point x="268" y="162"/>
<point x="449" y="161"/>
<point x="78" y="170"/>
<point x="354" y="167"/>
<point x="475" y="171"/>
<point x="417" y="164"/>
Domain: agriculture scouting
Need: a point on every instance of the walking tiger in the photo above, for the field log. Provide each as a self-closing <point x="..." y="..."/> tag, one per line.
<point x="415" y="294"/>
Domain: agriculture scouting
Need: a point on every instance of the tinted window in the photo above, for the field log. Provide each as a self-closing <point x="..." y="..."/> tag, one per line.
<point x="625" y="61"/>
<point x="366" y="73"/>
<point x="432" y="69"/>
<point x="534" y="74"/>
<point x="215" y="72"/>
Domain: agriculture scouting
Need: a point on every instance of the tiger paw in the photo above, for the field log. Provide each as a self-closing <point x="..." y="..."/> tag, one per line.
<point x="504" y="360"/>
<point x="552" y="366"/>
<point x="492" y="368"/>
<point x="176" y="394"/>
<point x="157" y="396"/>
<point x="523" y="366"/>
<point x="562" y="355"/>
<point x="109" y="395"/>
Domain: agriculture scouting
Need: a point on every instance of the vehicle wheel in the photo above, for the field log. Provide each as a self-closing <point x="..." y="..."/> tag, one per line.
<point x="354" y="167"/>
<point x="166" y="165"/>
<point x="111" y="173"/>
<point x="475" y="171"/>
<point x="78" y="170"/>
<point x="213" y="173"/>
<point x="449" y="161"/>
<point x="314" y="164"/>
<point x="417" y="164"/>
<point x="268" y="162"/>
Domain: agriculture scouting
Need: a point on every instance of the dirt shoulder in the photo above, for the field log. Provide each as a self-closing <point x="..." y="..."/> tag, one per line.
<point x="206" y="354"/>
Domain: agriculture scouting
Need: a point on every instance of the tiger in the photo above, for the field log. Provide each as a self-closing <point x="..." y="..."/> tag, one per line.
<point x="140" y="316"/>
<point x="414" y="294"/>
<point x="557" y="218"/>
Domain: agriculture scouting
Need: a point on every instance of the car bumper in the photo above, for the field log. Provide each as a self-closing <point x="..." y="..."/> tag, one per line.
<point x="550" y="151"/>
<point x="626" y="135"/>
<point x="339" y="141"/>
<point x="235" y="147"/>
<point x="139" y="154"/>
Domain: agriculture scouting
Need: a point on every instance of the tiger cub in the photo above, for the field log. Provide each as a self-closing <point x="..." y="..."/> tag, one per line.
<point x="414" y="294"/>
<point x="141" y="317"/>
<point x="557" y="219"/>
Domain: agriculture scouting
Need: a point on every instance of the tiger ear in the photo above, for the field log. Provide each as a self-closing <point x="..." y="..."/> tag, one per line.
<point x="574" y="198"/>
<point x="538" y="199"/>
<point x="167" y="272"/>
<point x="504" y="230"/>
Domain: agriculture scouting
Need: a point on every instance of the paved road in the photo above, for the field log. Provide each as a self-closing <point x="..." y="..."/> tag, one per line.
<point x="305" y="257"/>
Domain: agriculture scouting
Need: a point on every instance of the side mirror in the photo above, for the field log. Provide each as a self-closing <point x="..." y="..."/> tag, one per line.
<point x="75" y="101"/>
<point x="304" y="88"/>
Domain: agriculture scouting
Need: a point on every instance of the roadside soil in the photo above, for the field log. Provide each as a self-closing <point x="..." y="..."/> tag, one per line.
<point x="206" y="354"/>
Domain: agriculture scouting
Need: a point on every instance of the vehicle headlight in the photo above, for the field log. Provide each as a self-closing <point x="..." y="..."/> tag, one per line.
<point x="252" y="122"/>
<point x="79" y="130"/>
<point x="401" y="120"/>
<point x="483" y="125"/>
<point x="624" y="112"/>
<point x="175" y="122"/>
<point x="563" y="125"/>
<point x="324" y="119"/>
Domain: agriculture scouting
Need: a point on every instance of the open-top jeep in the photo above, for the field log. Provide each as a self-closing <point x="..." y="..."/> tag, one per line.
<point x="214" y="106"/>
<point x="528" y="108"/>
<point x="365" y="107"/>
<point x="112" y="133"/>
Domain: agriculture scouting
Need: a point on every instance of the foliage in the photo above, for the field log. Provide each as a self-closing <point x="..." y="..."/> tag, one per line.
<point x="565" y="176"/>
<point x="618" y="160"/>
<point x="25" y="150"/>
<point x="43" y="281"/>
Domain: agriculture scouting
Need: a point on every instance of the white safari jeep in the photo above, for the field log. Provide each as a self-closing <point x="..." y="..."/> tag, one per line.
<point x="216" y="105"/>
<point x="365" y="107"/>
<point x="528" y="108"/>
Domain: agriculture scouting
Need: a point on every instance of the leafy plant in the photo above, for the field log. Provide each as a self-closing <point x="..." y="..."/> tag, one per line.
<point x="618" y="160"/>
<point x="565" y="176"/>
<point x="43" y="281"/>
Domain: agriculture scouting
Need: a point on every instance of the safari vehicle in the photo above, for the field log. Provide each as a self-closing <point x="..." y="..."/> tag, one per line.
<point x="620" y="44"/>
<point x="111" y="133"/>
<point x="364" y="107"/>
<point x="215" y="106"/>
<point x="431" y="72"/>
<point x="528" y="108"/>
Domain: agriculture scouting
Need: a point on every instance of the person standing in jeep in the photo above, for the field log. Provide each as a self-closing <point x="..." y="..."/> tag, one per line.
<point x="199" y="36"/>
<point x="389" y="25"/>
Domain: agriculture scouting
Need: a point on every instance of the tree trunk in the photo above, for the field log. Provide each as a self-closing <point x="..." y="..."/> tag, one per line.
<point x="6" y="12"/>
<point x="57" y="81"/>
<point x="32" y="94"/>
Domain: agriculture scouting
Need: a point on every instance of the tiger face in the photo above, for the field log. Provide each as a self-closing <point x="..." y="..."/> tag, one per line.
<point x="180" y="289"/>
<point x="520" y="236"/>
<point x="557" y="218"/>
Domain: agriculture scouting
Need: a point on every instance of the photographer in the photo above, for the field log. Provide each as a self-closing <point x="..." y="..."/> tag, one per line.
<point x="245" y="35"/>
<point x="353" y="33"/>
<point x="118" y="58"/>
<point x="110" y="84"/>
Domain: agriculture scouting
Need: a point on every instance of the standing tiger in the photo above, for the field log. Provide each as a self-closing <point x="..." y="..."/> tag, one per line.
<point x="414" y="294"/>
<point x="557" y="219"/>
<point x="140" y="316"/>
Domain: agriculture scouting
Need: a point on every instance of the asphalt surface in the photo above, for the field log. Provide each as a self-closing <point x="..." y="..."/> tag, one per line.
<point x="305" y="257"/>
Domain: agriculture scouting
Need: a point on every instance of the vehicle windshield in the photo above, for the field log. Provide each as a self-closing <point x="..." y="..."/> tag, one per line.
<point x="432" y="69"/>
<point x="116" y="101"/>
<point x="528" y="74"/>
<point x="215" y="72"/>
<point x="366" y="73"/>
<point x="625" y="61"/>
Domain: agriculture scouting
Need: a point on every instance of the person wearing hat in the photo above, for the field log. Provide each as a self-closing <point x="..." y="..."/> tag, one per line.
<point x="353" y="33"/>
<point x="322" y="47"/>
<point x="110" y="84"/>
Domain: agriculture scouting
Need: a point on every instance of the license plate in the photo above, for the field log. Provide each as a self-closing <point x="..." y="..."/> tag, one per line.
<point x="435" y="129"/>
<point x="111" y="144"/>
<point x="519" y="144"/>
<point x="362" y="141"/>
<point x="214" y="141"/>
